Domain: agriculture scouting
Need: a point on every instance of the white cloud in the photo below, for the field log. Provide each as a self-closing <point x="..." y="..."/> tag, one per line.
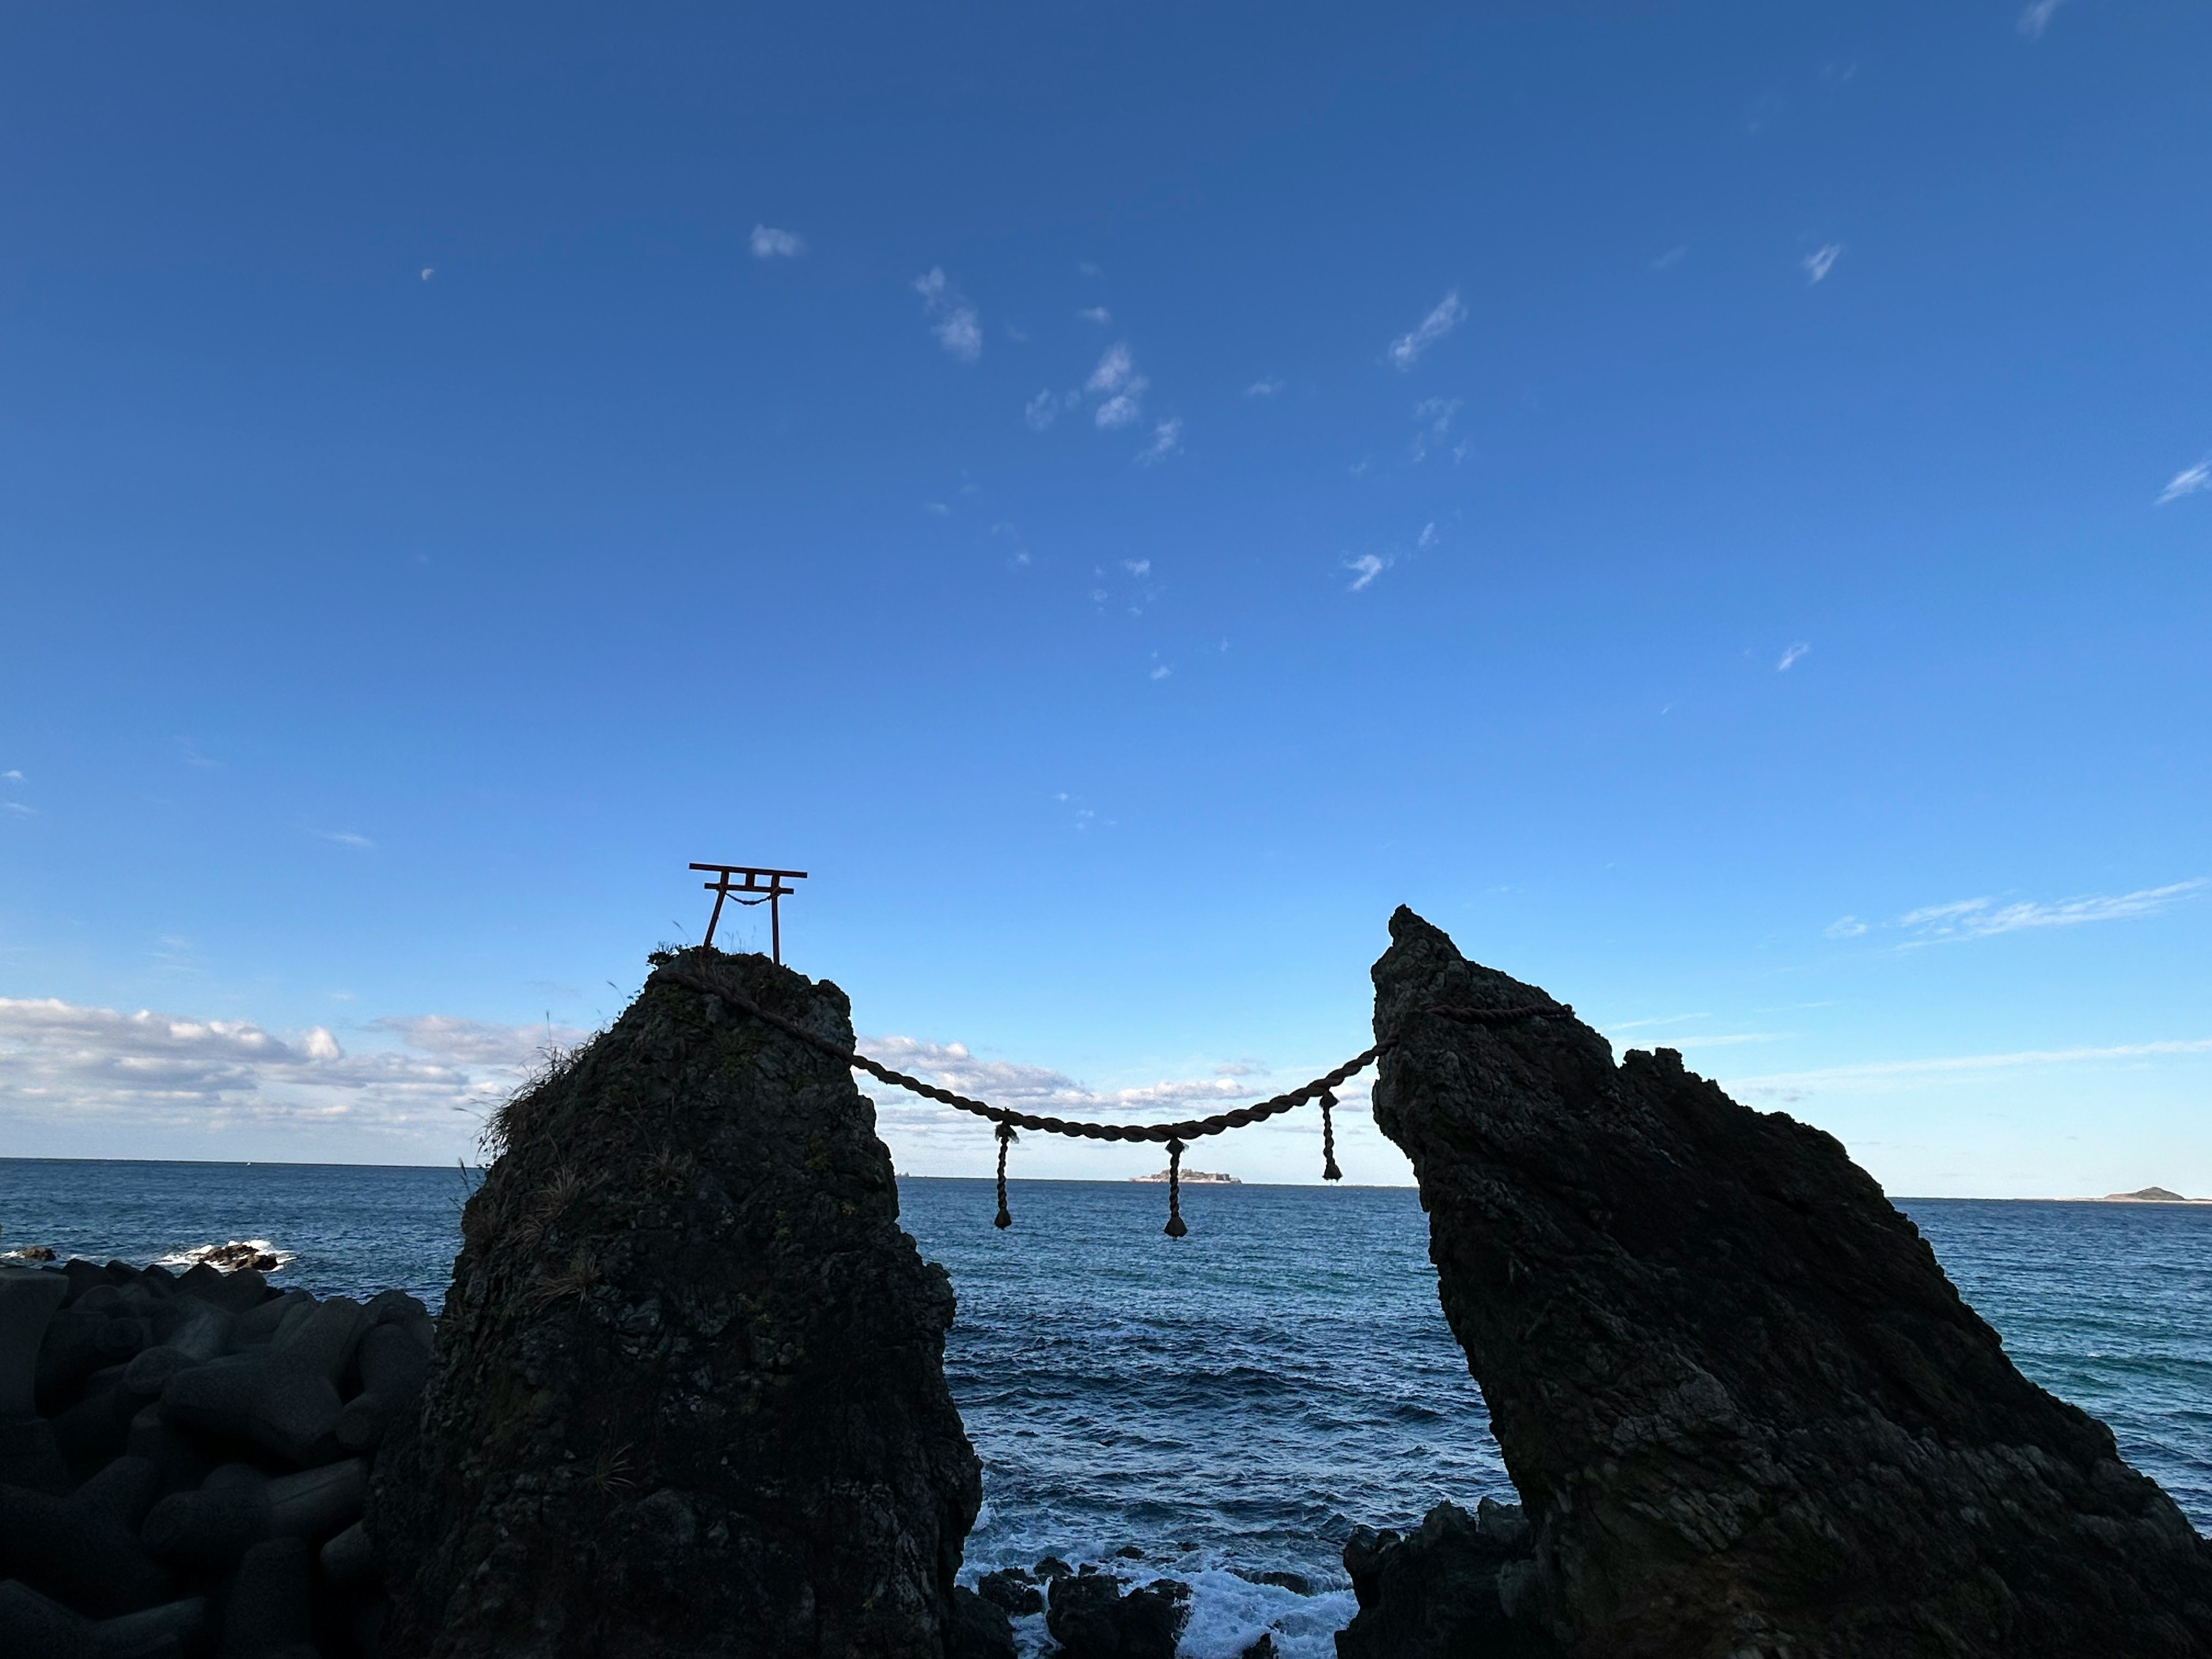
<point x="1263" y="388"/>
<point x="1042" y="410"/>
<point x="1120" y="410"/>
<point x="2037" y="17"/>
<point x="1405" y="350"/>
<point x="1428" y="536"/>
<point x="347" y="838"/>
<point x="18" y="809"/>
<point x="11" y="777"/>
<point x="1137" y="567"/>
<point x="1116" y="369"/>
<point x="429" y="272"/>
<point x="937" y="509"/>
<point x="1670" y="259"/>
<point x="958" y="329"/>
<point x="1160" y="672"/>
<point x="1822" y="261"/>
<point x="69" y="1068"/>
<point x="1167" y="439"/>
<point x="1903" y="1071"/>
<point x="1088" y="268"/>
<point x="2187" y="482"/>
<point x="769" y="243"/>
<point x="1435" y="416"/>
<point x="1096" y="314"/>
<point x="1980" y="918"/>
<point x="1792" y="656"/>
<point x="1366" y="568"/>
<point x="1845" y="928"/>
<point x="1035" y="1089"/>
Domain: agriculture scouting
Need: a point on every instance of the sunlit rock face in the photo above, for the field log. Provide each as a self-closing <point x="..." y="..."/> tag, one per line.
<point x="690" y="1394"/>
<point x="1745" y="1411"/>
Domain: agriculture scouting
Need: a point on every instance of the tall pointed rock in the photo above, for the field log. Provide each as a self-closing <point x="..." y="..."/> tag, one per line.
<point x="1745" y="1411"/>
<point x="690" y="1396"/>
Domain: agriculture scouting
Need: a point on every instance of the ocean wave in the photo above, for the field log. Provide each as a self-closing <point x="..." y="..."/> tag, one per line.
<point x="230" y="1256"/>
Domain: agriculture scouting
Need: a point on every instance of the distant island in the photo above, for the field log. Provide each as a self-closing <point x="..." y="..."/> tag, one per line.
<point x="2142" y="1195"/>
<point x="1194" y="1177"/>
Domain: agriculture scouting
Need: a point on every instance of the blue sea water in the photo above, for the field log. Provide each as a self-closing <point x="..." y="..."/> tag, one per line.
<point x="1236" y="1401"/>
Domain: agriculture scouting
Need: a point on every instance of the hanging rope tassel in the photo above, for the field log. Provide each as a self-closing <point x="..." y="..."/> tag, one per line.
<point x="1175" y="1229"/>
<point x="1006" y="1140"/>
<point x="1328" y="1169"/>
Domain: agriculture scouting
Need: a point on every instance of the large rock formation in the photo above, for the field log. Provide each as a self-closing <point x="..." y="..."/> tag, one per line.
<point x="690" y="1396"/>
<point x="1746" y="1413"/>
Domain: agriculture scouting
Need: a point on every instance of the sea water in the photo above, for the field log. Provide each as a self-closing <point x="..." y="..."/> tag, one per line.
<point x="1235" y="1402"/>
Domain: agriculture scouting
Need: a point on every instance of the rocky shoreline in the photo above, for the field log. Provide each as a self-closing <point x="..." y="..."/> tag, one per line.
<point x="686" y="1396"/>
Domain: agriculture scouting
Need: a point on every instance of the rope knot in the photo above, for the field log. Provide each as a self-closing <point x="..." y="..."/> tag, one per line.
<point x="1328" y="1169"/>
<point x="1006" y="1139"/>
<point x="1175" y="1229"/>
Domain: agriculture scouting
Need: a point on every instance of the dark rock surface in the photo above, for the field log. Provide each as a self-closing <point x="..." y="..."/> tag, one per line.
<point x="690" y="1396"/>
<point x="1744" y="1409"/>
<point x="169" y="1489"/>
<point x="1443" y="1591"/>
<point x="1090" y="1617"/>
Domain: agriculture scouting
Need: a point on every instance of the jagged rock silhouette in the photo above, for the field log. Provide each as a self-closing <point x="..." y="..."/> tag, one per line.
<point x="690" y="1394"/>
<point x="1745" y="1411"/>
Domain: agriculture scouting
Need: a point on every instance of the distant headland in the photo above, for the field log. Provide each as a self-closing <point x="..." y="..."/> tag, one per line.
<point x="2141" y="1195"/>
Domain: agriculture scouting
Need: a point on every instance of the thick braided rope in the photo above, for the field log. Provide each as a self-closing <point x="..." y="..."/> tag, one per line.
<point x="1190" y="1129"/>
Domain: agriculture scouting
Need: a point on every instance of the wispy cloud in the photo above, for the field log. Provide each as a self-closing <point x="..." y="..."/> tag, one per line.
<point x="1427" y="538"/>
<point x="1265" y="387"/>
<point x="958" y="329"/>
<point x="1406" y="349"/>
<point x="18" y="810"/>
<point x="1435" y="415"/>
<point x="1123" y="388"/>
<point x="1138" y="567"/>
<point x="189" y="752"/>
<point x="1037" y="1090"/>
<point x="1792" y="656"/>
<point x="2187" y="482"/>
<point x="2036" y="17"/>
<point x="1670" y="259"/>
<point x="65" y="1062"/>
<point x="1042" y="410"/>
<point x="11" y="777"/>
<point x="1095" y="314"/>
<point x="1167" y="439"/>
<point x="1366" y="568"/>
<point x="1845" y="928"/>
<point x="1822" y="260"/>
<point x="346" y="838"/>
<point x="769" y="243"/>
<point x="1902" y="1073"/>
<point x="1981" y="918"/>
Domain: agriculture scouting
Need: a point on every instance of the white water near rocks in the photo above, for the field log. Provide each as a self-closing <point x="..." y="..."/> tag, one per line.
<point x="1235" y="1402"/>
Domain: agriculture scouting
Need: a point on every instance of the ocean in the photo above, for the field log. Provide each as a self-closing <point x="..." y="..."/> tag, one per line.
<point x="1233" y="1403"/>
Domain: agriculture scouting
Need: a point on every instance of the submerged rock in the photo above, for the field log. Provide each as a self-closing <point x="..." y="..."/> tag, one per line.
<point x="690" y="1394"/>
<point x="1744" y="1407"/>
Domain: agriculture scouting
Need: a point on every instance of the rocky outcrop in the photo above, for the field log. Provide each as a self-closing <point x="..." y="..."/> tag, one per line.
<point x="690" y="1397"/>
<point x="1744" y="1410"/>
<point x="1090" y="1616"/>
<point x="1451" y="1588"/>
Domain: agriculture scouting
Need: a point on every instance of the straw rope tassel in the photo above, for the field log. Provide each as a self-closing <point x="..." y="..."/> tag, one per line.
<point x="1175" y="1229"/>
<point x="1328" y="1169"/>
<point x="1006" y="1140"/>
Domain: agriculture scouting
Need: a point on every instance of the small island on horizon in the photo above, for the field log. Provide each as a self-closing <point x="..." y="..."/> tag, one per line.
<point x="2144" y="1195"/>
<point x="1199" y="1177"/>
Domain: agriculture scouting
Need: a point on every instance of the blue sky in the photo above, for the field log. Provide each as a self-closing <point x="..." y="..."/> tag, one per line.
<point x="1707" y="503"/>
